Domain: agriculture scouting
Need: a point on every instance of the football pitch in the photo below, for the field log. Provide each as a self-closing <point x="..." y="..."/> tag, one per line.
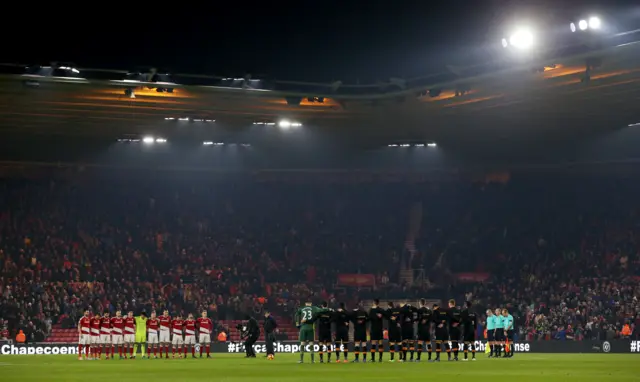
<point x="233" y="367"/>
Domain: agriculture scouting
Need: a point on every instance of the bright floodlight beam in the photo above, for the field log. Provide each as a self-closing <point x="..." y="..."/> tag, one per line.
<point x="148" y="140"/>
<point x="522" y="39"/>
<point x="583" y="25"/>
<point x="594" y="22"/>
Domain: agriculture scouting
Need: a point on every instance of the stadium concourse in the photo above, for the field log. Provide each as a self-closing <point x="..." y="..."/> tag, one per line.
<point x="560" y="251"/>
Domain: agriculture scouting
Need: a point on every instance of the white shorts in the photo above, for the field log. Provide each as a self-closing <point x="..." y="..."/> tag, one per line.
<point x="165" y="336"/>
<point x="116" y="339"/>
<point x="95" y="340"/>
<point x="152" y="338"/>
<point x="177" y="339"/>
<point x="85" y="339"/>
<point x="190" y="339"/>
<point x="105" y="339"/>
<point x="129" y="338"/>
<point x="205" y="338"/>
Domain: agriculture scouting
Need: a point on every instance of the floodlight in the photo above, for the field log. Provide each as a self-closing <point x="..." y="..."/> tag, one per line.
<point x="521" y="39"/>
<point x="594" y="22"/>
<point x="583" y="25"/>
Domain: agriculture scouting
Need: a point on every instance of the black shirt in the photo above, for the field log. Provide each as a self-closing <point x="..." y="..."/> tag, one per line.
<point x="359" y="318"/>
<point x="440" y="317"/>
<point x="409" y="316"/>
<point x="455" y="317"/>
<point x="341" y="318"/>
<point x="395" y="317"/>
<point x="376" y="321"/>
<point x="269" y="325"/>
<point x="252" y="327"/>
<point x="324" y="320"/>
<point x="425" y="317"/>
<point x="469" y="321"/>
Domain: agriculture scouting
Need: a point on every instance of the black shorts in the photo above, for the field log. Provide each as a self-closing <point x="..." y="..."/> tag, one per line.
<point x="324" y="336"/>
<point x="376" y="334"/>
<point x="407" y="334"/>
<point x="424" y="335"/>
<point x="442" y="334"/>
<point x="469" y="337"/>
<point x="490" y="336"/>
<point x="395" y="335"/>
<point x="360" y="336"/>
<point x="342" y="336"/>
<point x="455" y="334"/>
<point x="509" y="335"/>
<point x="499" y="336"/>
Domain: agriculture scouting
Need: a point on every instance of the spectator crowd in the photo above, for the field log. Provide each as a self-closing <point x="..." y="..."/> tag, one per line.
<point x="560" y="253"/>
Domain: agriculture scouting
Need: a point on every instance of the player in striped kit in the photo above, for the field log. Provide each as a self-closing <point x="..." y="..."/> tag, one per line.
<point x="190" y="336"/>
<point x="84" y="335"/>
<point x="165" y="332"/>
<point x="177" y="326"/>
<point x="129" y="334"/>
<point x="105" y="335"/>
<point x="205" y="327"/>
<point x="95" y="337"/>
<point x="117" y="329"/>
<point x="153" y="326"/>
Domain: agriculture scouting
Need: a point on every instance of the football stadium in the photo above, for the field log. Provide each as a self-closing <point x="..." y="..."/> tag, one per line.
<point x="476" y="224"/>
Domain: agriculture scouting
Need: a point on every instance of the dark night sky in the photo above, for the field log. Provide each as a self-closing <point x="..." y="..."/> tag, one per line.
<point x="304" y="40"/>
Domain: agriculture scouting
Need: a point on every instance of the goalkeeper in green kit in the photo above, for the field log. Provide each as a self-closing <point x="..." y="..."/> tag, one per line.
<point x="141" y="334"/>
<point x="304" y="318"/>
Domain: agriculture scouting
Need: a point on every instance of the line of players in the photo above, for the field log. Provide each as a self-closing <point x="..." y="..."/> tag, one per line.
<point x="122" y="334"/>
<point x="435" y="328"/>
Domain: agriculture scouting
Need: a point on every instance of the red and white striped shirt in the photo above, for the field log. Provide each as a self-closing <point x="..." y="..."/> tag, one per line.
<point x="176" y="326"/>
<point x="153" y="324"/>
<point x="117" y="325"/>
<point x="85" y="325"/>
<point x="205" y="325"/>
<point x="130" y="325"/>
<point x="190" y="327"/>
<point x="165" y="323"/>
<point x="95" y="326"/>
<point x="105" y="326"/>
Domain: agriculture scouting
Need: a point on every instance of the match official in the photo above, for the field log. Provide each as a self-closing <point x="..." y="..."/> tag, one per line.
<point x="508" y="332"/>
<point x="269" y="326"/>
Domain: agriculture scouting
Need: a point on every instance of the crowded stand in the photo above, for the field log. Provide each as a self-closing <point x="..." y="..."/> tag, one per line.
<point x="560" y="252"/>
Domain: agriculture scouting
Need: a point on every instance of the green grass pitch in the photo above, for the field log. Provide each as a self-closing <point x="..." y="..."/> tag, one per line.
<point x="233" y="367"/>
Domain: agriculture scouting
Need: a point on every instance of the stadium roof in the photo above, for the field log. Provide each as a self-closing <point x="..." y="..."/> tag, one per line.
<point x="515" y="102"/>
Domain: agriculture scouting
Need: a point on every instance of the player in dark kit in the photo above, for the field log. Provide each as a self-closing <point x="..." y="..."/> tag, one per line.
<point x="455" y="319"/>
<point x="324" y="331"/>
<point x="394" y="315"/>
<point x="424" y="328"/>
<point x="341" y="317"/>
<point x="441" y="322"/>
<point x="376" y="319"/>
<point x="470" y="324"/>
<point x="409" y="317"/>
<point x="359" y="317"/>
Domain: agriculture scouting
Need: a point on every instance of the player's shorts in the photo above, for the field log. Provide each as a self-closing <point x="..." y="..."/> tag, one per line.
<point x="442" y="334"/>
<point x="324" y="336"/>
<point x="105" y="339"/>
<point x="141" y="338"/>
<point x="455" y="334"/>
<point x="509" y="335"/>
<point x="177" y="339"/>
<point x="165" y="336"/>
<point x="408" y="334"/>
<point x="204" y="338"/>
<point x="307" y="335"/>
<point x="360" y="336"/>
<point x="499" y="336"/>
<point x="395" y="335"/>
<point x="424" y="335"/>
<point x="116" y="339"/>
<point x="469" y="337"/>
<point x="376" y="334"/>
<point x="95" y="340"/>
<point x="152" y="338"/>
<point x="491" y="335"/>
<point x="129" y="338"/>
<point x="190" y="339"/>
<point x="342" y="336"/>
<point x="85" y="339"/>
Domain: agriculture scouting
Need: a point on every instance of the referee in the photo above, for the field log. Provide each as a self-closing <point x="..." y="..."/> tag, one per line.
<point x="269" y="326"/>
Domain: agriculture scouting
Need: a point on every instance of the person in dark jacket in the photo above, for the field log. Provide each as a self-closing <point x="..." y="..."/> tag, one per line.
<point x="253" y="332"/>
<point x="269" y="326"/>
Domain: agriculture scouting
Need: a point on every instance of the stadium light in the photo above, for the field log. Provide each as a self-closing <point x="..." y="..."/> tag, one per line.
<point x="286" y="124"/>
<point x="148" y="140"/>
<point x="521" y="39"/>
<point x="583" y="25"/>
<point x="594" y="22"/>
